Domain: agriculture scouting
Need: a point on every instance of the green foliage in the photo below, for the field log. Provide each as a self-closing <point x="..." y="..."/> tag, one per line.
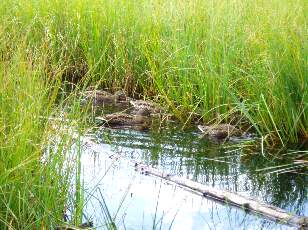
<point x="223" y="59"/>
<point x="227" y="60"/>
<point x="35" y="173"/>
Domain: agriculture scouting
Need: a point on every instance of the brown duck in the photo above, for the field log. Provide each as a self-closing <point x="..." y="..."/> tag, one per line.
<point x="120" y="120"/>
<point x="220" y="131"/>
<point x="101" y="97"/>
<point x="152" y="107"/>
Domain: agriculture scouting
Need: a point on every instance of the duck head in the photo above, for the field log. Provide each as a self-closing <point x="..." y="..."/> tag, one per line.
<point x="120" y="95"/>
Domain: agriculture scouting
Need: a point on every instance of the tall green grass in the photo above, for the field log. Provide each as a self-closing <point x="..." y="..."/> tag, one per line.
<point x="35" y="171"/>
<point x="227" y="60"/>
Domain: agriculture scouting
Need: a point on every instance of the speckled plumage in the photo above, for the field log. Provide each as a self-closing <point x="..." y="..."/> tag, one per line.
<point x="220" y="131"/>
<point x="123" y="119"/>
<point x="151" y="106"/>
<point x="101" y="97"/>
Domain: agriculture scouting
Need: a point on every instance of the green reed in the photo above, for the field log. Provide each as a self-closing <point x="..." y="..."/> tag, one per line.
<point x="230" y="61"/>
<point x="36" y="166"/>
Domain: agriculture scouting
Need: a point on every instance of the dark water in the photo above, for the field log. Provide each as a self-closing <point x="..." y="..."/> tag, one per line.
<point x="137" y="201"/>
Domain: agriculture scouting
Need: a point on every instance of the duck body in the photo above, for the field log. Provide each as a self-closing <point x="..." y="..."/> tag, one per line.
<point x="120" y="120"/>
<point x="220" y="131"/>
<point x="102" y="97"/>
<point x="152" y="107"/>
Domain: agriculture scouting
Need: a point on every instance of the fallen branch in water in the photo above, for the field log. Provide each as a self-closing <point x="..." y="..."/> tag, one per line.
<point x="247" y="204"/>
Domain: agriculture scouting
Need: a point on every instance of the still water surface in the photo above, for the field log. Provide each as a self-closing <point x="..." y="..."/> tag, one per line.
<point x="137" y="201"/>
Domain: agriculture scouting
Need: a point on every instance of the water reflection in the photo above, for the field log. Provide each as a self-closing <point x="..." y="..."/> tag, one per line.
<point x="137" y="201"/>
<point x="229" y="166"/>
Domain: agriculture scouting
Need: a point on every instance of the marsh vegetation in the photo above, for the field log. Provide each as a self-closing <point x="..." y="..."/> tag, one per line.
<point x="243" y="63"/>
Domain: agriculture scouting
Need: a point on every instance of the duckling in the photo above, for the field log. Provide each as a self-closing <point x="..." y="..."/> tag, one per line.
<point x="142" y="117"/>
<point x="220" y="131"/>
<point x="151" y="106"/>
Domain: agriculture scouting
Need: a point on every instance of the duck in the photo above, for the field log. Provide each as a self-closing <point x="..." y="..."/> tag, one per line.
<point x="122" y="120"/>
<point x="220" y="131"/>
<point x="120" y="96"/>
<point x="102" y="97"/>
<point x="152" y="107"/>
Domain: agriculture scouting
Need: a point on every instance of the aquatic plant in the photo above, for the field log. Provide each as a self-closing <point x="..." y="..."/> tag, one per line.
<point x="229" y="61"/>
<point x="36" y="169"/>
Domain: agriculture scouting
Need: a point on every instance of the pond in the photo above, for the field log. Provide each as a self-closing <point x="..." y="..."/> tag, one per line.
<point x="138" y="201"/>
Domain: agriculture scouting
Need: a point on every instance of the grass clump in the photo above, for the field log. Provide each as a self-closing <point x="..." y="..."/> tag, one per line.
<point x="227" y="60"/>
<point x="223" y="59"/>
<point x="35" y="171"/>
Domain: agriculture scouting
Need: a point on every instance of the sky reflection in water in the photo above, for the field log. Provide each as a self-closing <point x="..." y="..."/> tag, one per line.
<point x="140" y="197"/>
